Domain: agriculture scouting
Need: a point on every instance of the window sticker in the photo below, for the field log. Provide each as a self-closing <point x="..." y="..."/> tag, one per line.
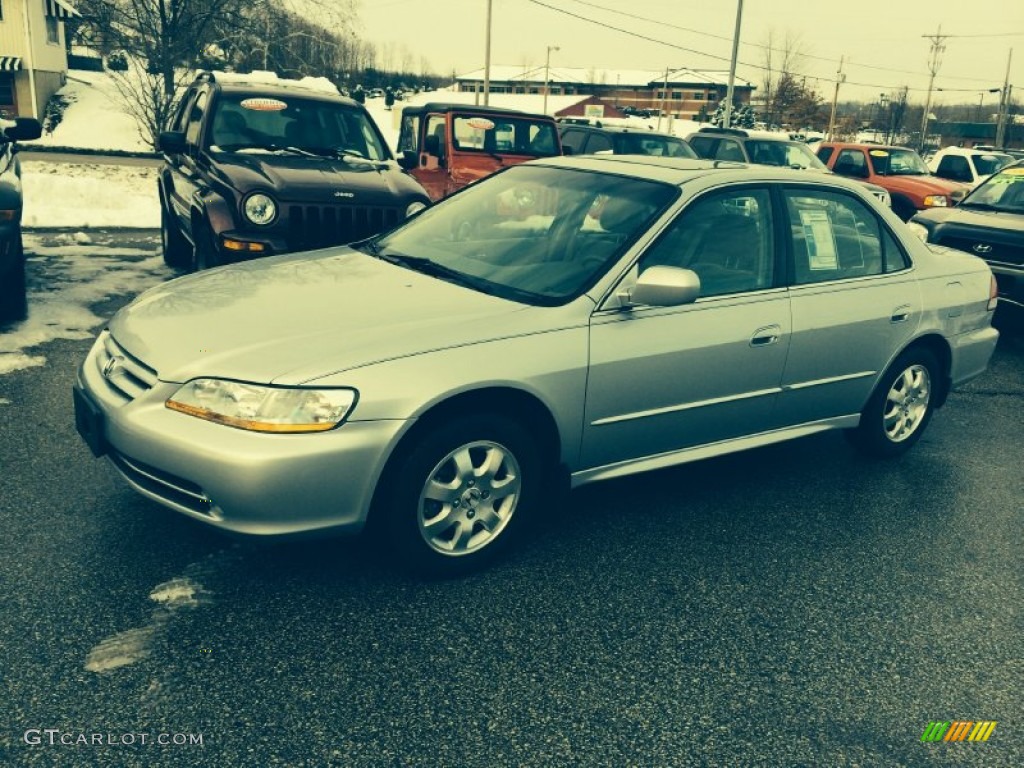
<point x="480" y="123"/>
<point x="878" y="153"/>
<point x="820" y="240"/>
<point x="263" y="105"/>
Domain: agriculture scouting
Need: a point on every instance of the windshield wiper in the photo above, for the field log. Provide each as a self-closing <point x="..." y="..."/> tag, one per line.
<point x="423" y="265"/>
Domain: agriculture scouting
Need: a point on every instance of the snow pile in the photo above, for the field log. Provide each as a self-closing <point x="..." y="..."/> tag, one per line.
<point x="95" y="118"/>
<point x="89" y="195"/>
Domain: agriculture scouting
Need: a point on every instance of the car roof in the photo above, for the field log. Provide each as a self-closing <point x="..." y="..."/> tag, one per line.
<point x="445" y="107"/>
<point x="970" y="151"/>
<point x="617" y="129"/>
<point x="679" y="170"/>
<point x="743" y="135"/>
<point x="869" y="147"/>
<point x="268" y="84"/>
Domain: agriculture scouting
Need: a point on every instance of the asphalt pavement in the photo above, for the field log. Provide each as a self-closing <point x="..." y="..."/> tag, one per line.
<point x="795" y="605"/>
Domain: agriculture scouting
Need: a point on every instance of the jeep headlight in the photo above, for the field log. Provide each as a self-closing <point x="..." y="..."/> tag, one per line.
<point x="260" y="408"/>
<point x="919" y="229"/>
<point x="260" y="209"/>
<point x="414" y="208"/>
<point x="936" y="201"/>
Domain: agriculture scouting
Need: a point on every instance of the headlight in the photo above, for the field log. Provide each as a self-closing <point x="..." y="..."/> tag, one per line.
<point x="263" y="409"/>
<point x="936" y="201"/>
<point x="919" y="229"/>
<point x="414" y="208"/>
<point x="259" y="209"/>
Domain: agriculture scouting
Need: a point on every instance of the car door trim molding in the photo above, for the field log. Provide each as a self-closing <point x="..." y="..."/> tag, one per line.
<point x="699" y="452"/>
<point x="683" y="407"/>
<point x="829" y="380"/>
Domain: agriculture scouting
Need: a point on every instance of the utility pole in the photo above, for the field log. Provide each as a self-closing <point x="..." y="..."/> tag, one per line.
<point x="487" y="58"/>
<point x="547" y="76"/>
<point x="938" y="46"/>
<point x="664" y="96"/>
<point x="840" y="78"/>
<point x="727" y="117"/>
<point x="1004" y="105"/>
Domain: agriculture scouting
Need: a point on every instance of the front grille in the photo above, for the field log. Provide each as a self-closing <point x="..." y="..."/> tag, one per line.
<point x="318" y="226"/>
<point x="1001" y="251"/>
<point x="125" y="375"/>
<point x="174" y="489"/>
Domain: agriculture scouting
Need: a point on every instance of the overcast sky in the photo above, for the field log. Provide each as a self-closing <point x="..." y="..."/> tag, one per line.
<point x="882" y="40"/>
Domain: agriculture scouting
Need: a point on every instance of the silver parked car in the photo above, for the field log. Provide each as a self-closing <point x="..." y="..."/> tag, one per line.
<point x="599" y="315"/>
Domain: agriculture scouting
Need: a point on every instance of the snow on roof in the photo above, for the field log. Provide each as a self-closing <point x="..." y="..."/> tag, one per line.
<point x="264" y="77"/>
<point x="627" y="78"/>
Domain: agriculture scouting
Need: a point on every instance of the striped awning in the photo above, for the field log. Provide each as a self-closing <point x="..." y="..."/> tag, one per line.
<point x="10" y="63"/>
<point x="60" y="9"/>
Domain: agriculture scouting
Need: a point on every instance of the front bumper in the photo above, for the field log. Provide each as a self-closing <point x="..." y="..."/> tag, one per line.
<point x="242" y="482"/>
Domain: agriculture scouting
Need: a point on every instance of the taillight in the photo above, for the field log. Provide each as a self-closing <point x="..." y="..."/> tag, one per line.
<point x="993" y="293"/>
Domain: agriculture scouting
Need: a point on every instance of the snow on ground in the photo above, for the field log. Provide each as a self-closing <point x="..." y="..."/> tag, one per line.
<point x="89" y="195"/>
<point x="69" y="277"/>
<point x="96" y="118"/>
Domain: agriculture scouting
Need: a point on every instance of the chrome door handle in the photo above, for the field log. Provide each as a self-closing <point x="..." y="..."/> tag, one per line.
<point x="764" y="336"/>
<point x="900" y="314"/>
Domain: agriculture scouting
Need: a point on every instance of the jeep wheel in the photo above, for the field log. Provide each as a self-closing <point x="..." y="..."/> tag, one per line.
<point x="207" y="255"/>
<point x="13" y="300"/>
<point x="177" y="253"/>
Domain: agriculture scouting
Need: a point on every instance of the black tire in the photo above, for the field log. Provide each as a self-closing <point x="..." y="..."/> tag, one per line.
<point x="177" y="251"/>
<point x="901" y="406"/>
<point x="486" y="511"/>
<point x="207" y="255"/>
<point x="13" y="293"/>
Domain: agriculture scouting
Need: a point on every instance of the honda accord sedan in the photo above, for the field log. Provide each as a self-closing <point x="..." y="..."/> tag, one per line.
<point x="579" y="317"/>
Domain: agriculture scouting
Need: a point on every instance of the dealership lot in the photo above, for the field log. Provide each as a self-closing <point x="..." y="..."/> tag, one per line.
<point x="795" y="605"/>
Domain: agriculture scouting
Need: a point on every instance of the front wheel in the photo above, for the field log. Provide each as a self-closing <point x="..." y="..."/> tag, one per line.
<point x="175" y="246"/>
<point x="207" y="252"/>
<point x="462" y="494"/>
<point x="901" y="407"/>
<point x="13" y="291"/>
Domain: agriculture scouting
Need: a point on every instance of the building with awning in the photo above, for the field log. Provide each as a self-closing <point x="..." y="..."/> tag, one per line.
<point x="33" y="53"/>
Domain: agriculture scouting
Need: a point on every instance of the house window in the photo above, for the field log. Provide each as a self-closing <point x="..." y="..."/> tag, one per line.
<point x="677" y="95"/>
<point x="52" y="32"/>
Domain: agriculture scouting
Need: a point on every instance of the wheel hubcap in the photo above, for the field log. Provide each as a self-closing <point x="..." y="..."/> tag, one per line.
<point x="907" y="403"/>
<point x="468" y="498"/>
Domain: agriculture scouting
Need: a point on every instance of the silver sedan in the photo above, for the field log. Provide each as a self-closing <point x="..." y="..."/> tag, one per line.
<point x="585" y="317"/>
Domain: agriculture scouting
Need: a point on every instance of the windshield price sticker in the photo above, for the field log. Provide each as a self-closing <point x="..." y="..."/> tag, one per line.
<point x="878" y="153"/>
<point x="264" y="105"/>
<point x="480" y="123"/>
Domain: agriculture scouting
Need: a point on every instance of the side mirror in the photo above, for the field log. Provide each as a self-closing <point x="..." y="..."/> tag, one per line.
<point x="408" y="160"/>
<point x="171" y="142"/>
<point x="23" y="129"/>
<point x="662" y="287"/>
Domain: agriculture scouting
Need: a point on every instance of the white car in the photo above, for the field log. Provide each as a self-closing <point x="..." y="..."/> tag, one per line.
<point x="971" y="166"/>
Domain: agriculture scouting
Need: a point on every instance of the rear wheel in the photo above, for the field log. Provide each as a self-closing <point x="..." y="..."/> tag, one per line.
<point x="901" y="407"/>
<point x="462" y="494"/>
<point x="177" y="252"/>
<point x="13" y="298"/>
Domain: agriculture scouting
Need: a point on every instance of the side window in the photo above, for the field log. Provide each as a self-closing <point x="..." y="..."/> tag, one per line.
<point x="954" y="167"/>
<point x="730" y="150"/>
<point x="574" y="140"/>
<point x="598" y="143"/>
<point x="836" y="237"/>
<point x="703" y="146"/>
<point x="195" y="119"/>
<point x="894" y="255"/>
<point x="408" y="137"/>
<point x="436" y="128"/>
<point x="851" y="162"/>
<point x="825" y="154"/>
<point x="726" y="238"/>
<point x="180" y="118"/>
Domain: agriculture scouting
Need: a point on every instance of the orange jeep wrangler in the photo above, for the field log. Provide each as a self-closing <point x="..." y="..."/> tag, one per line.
<point x="447" y="146"/>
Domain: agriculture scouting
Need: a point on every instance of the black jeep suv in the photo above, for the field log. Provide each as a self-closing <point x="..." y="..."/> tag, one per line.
<point x="13" y="305"/>
<point x="256" y="165"/>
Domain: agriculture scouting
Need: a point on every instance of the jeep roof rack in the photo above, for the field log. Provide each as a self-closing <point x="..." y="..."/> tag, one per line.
<point x="265" y="77"/>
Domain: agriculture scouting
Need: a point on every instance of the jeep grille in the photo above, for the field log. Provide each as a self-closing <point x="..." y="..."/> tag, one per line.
<point x="319" y="226"/>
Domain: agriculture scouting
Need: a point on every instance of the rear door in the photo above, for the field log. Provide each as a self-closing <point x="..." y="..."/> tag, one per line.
<point x="855" y="302"/>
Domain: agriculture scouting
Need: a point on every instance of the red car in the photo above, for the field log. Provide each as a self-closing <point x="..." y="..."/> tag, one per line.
<point x="899" y="170"/>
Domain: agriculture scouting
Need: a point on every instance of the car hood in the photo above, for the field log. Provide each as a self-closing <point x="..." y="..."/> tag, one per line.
<point x="973" y="219"/>
<point x="314" y="179"/>
<point x="293" y="318"/>
<point x="922" y="185"/>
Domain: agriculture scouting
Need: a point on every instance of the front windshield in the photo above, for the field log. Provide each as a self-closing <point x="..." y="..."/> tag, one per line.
<point x="246" y="123"/>
<point x="1002" y="192"/>
<point x="986" y="165"/>
<point x="785" y="154"/>
<point x="898" y="162"/>
<point x="659" y="146"/>
<point x="506" y="135"/>
<point x="533" y="234"/>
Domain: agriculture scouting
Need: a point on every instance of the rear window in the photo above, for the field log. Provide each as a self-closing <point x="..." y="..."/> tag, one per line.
<point x="516" y="136"/>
